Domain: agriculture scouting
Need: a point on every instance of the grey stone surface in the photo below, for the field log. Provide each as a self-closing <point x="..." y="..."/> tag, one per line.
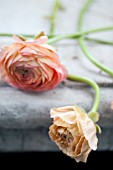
<point x="24" y="116"/>
<point x="12" y="140"/>
<point x="25" y="110"/>
<point x="26" y="140"/>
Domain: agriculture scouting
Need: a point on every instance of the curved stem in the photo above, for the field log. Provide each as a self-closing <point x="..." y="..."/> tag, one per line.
<point x="84" y="47"/>
<point x="99" y="41"/>
<point x="93" y="85"/>
<point x="78" y="34"/>
<point x="93" y="60"/>
<point x="53" y="17"/>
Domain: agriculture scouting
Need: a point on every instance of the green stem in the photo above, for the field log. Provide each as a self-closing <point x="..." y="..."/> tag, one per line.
<point x="84" y="47"/>
<point x="10" y="35"/>
<point x="78" y="34"/>
<point x="99" y="41"/>
<point x="53" y="17"/>
<point x="24" y="35"/>
<point x="93" y="85"/>
<point x="57" y="38"/>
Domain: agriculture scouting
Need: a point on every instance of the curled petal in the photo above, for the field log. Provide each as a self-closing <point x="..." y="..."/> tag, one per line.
<point x="88" y="127"/>
<point x="68" y="116"/>
<point x="41" y="40"/>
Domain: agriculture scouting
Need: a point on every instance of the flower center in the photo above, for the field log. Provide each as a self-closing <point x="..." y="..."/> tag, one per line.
<point x="23" y="73"/>
<point x="65" y="136"/>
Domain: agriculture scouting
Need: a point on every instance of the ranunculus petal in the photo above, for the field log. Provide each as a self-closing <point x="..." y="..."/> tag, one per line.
<point x="49" y="47"/>
<point x="17" y="39"/>
<point x="27" y="52"/>
<point x="41" y="40"/>
<point x="65" y="113"/>
<point x="88" y="127"/>
<point x="83" y="157"/>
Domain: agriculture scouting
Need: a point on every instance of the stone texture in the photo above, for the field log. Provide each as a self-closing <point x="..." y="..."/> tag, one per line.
<point x="24" y="116"/>
<point x="25" y="110"/>
<point x="12" y="140"/>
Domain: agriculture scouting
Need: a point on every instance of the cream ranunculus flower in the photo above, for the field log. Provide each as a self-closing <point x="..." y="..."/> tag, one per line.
<point x="73" y="131"/>
<point x="31" y="65"/>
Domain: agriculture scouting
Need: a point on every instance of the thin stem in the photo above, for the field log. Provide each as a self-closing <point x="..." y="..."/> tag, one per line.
<point x="53" y="17"/>
<point x="99" y="41"/>
<point x="10" y="35"/>
<point x="93" y="85"/>
<point x="57" y="38"/>
<point x="93" y="60"/>
<point x="78" y="34"/>
<point x="84" y="47"/>
<point x="82" y="12"/>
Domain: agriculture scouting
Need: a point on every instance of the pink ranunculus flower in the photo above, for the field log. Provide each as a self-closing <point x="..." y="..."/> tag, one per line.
<point x="31" y="65"/>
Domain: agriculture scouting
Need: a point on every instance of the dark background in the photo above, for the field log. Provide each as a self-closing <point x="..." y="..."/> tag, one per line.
<point x="55" y="160"/>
